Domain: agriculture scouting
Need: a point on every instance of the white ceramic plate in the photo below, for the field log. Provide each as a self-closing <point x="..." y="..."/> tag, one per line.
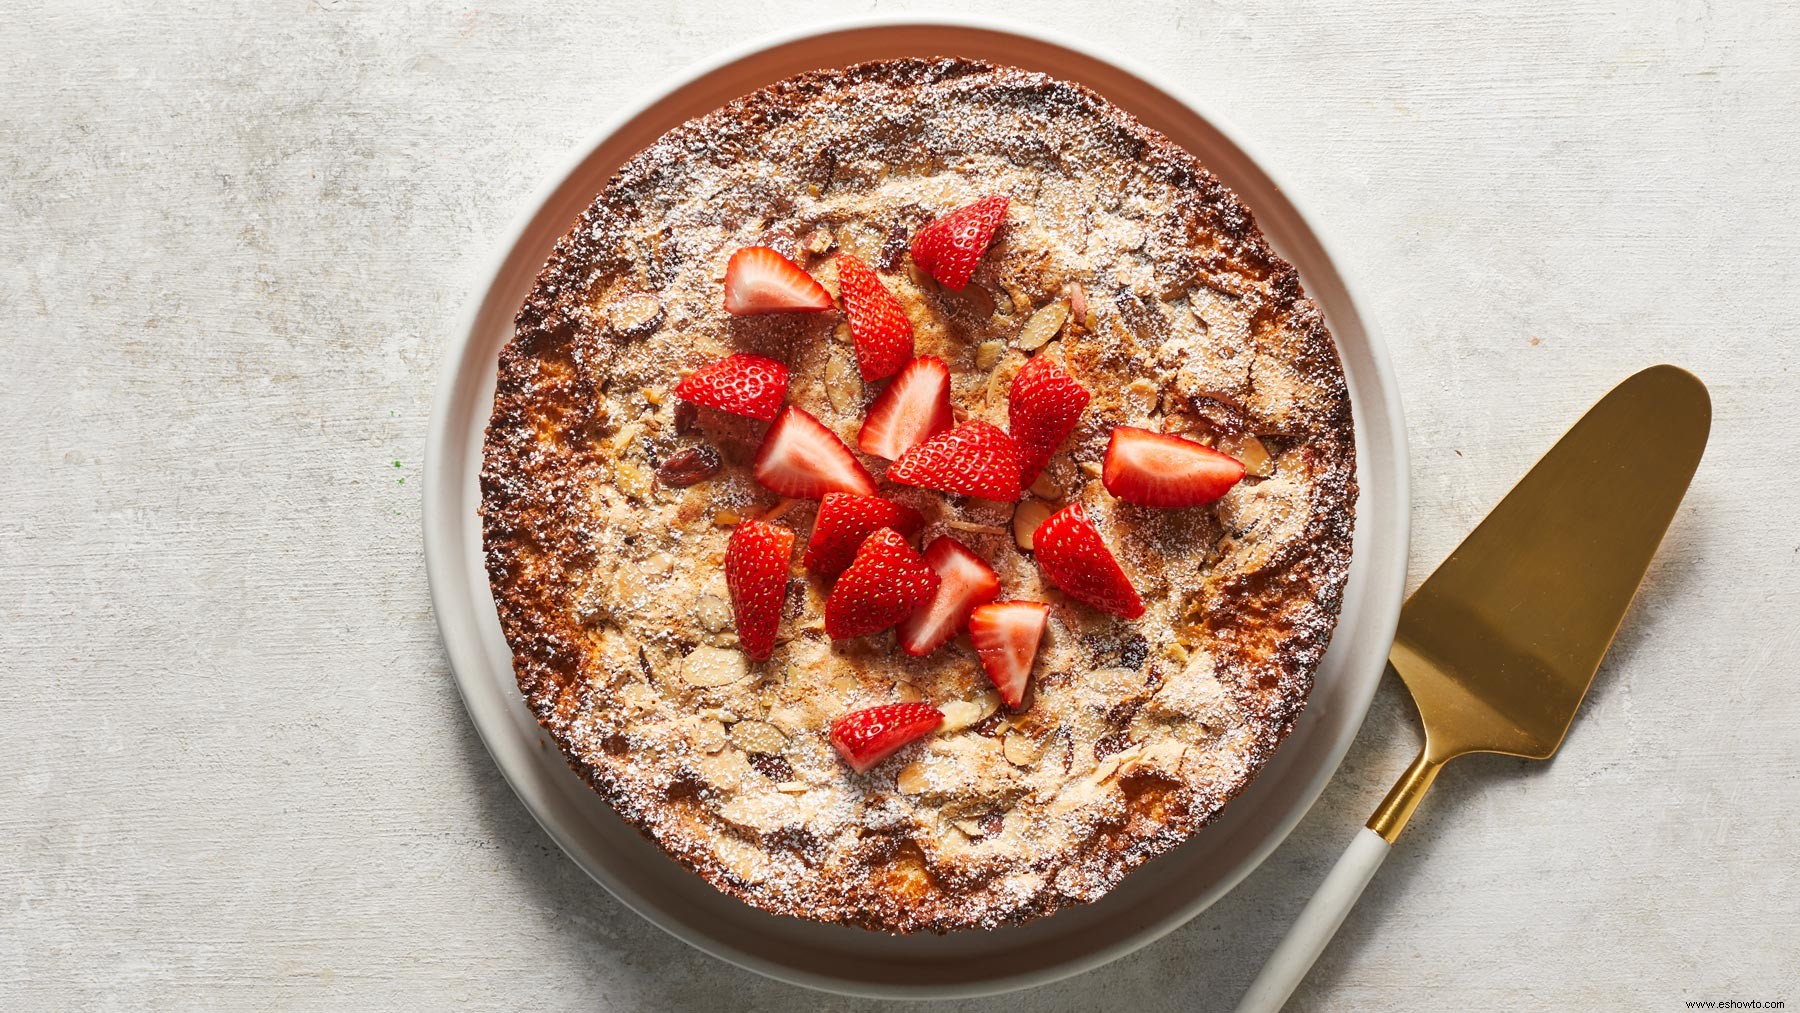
<point x="1150" y="902"/>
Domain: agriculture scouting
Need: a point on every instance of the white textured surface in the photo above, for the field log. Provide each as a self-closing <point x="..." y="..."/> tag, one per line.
<point x="234" y="770"/>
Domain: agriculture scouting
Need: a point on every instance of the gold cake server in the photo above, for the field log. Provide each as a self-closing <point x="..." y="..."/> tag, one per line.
<point x="1499" y="645"/>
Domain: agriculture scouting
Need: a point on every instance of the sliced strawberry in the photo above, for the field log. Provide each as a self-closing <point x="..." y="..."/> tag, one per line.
<point x="914" y="408"/>
<point x="878" y="323"/>
<point x="800" y="457"/>
<point x="749" y="385"/>
<point x="965" y="581"/>
<point x="761" y="280"/>
<point x="756" y="571"/>
<point x="1073" y="557"/>
<point x="1043" y="407"/>
<point x="1158" y="470"/>
<point x="885" y="583"/>
<point x="1005" y="635"/>
<point x="867" y="737"/>
<point x="948" y="249"/>
<point x="975" y="459"/>
<point x="845" y="521"/>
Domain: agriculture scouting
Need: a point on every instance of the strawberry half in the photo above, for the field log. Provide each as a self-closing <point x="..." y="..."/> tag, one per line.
<point x="1043" y="408"/>
<point x="845" y="521"/>
<point x="964" y="581"/>
<point x="1158" y="470"/>
<point x="949" y="248"/>
<point x="800" y="457"/>
<point x="1005" y="635"/>
<point x="761" y="280"/>
<point x="975" y="459"/>
<point x="884" y="585"/>
<point x="867" y="737"/>
<point x="756" y="571"/>
<point x="914" y="408"/>
<point x="1073" y="557"/>
<point x="878" y="324"/>
<point x="749" y="385"/>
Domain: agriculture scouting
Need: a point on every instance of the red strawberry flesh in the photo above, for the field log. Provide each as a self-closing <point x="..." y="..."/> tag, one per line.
<point x="974" y="459"/>
<point x="1159" y="470"/>
<point x="949" y="248"/>
<point x="965" y="581"/>
<point x="1072" y="556"/>
<point x="1043" y="408"/>
<point x="845" y="520"/>
<point x="882" y="333"/>
<point x="885" y="584"/>
<point x="756" y="571"/>
<point x="749" y="385"/>
<point x="914" y="407"/>
<point x="799" y="457"/>
<point x="1006" y="635"/>
<point x="761" y="280"/>
<point x="864" y="738"/>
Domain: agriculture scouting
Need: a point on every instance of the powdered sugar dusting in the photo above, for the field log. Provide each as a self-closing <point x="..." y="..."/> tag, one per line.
<point x="609" y="581"/>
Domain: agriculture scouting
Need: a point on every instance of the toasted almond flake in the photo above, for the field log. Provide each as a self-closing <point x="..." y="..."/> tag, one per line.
<point x="1141" y="396"/>
<point x="988" y="353"/>
<point x="1251" y="452"/>
<point x="792" y="787"/>
<point x="1026" y="518"/>
<point x="841" y="334"/>
<point x="817" y="241"/>
<point x="710" y="737"/>
<point x="906" y="692"/>
<point x="780" y="510"/>
<point x="758" y="737"/>
<point x="911" y="779"/>
<point x="719" y="714"/>
<point x="714" y="666"/>
<point x="636" y="314"/>
<point x="970" y="828"/>
<point x="1048" y="485"/>
<point x="1021" y="300"/>
<point x="1091" y="469"/>
<point x="984" y="529"/>
<point x="1042" y="326"/>
<point x="1021" y="751"/>
<point x="838" y="382"/>
<point x="625" y="437"/>
<point x="726" y="518"/>
<point x="652" y="395"/>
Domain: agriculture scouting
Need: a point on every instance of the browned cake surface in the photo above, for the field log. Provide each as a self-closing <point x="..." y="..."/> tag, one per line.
<point x="609" y="580"/>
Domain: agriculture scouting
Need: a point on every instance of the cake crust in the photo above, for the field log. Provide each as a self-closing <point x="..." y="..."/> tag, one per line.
<point x="604" y="551"/>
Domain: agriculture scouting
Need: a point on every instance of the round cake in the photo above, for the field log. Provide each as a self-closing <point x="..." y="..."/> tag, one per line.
<point x="710" y="376"/>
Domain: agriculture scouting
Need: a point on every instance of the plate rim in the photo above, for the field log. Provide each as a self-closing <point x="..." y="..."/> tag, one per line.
<point x="445" y="565"/>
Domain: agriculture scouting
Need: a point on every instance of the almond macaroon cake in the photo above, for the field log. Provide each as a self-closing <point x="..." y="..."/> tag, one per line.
<point x="916" y="495"/>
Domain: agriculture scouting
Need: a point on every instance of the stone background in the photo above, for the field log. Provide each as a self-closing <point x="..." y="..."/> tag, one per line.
<point x="234" y="770"/>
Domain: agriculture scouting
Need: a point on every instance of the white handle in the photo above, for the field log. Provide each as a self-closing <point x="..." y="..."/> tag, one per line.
<point x="1316" y="925"/>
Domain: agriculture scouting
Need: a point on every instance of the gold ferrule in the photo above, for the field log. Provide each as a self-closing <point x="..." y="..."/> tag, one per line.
<point x="1391" y="816"/>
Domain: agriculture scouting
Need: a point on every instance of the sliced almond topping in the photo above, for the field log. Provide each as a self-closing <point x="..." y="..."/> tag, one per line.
<point x="758" y="737"/>
<point x="792" y="787"/>
<point x="911" y="780"/>
<point x="838" y="386"/>
<point x="817" y="241"/>
<point x="988" y="353"/>
<point x="970" y="828"/>
<point x="719" y="714"/>
<point x="1042" y="326"/>
<point x="1026" y="518"/>
<point x="1048" y="485"/>
<point x="710" y="737"/>
<point x="960" y="714"/>
<point x="984" y="529"/>
<point x="726" y="518"/>
<point x="636" y="314"/>
<point x="906" y="692"/>
<point x="1141" y="396"/>
<point x="1252" y="453"/>
<point x="714" y="666"/>
<point x="1021" y="751"/>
